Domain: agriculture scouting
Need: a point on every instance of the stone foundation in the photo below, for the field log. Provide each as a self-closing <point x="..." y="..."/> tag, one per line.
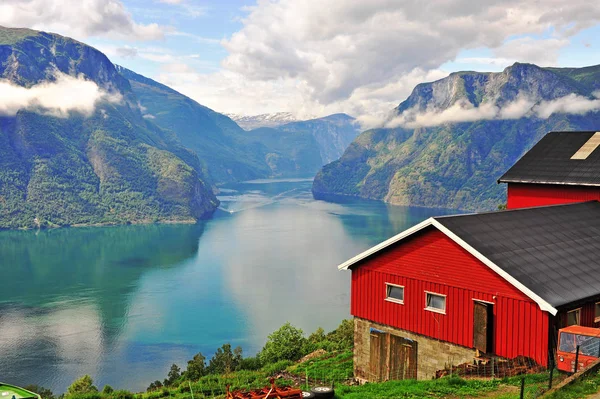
<point x="432" y="354"/>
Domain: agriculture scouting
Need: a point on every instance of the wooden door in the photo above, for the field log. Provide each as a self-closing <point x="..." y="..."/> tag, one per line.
<point x="378" y="356"/>
<point x="483" y="326"/>
<point x="403" y="358"/>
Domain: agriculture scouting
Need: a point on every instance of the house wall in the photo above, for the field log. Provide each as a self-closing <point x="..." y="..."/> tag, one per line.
<point x="529" y="195"/>
<point x="430" y="261"/>
<point x="432" y="354"/>
<point x="588" y="314"/>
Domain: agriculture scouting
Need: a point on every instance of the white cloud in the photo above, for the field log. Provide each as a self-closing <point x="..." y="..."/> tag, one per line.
<point x="570" y="104"/>
<point x="77" y="18"/>
<point x="464" y="111"/>
<point x="336" y="47"/>
<point x="126" y="52"/>
<point x="542" y="52"/>
<point x="58" y="98"/>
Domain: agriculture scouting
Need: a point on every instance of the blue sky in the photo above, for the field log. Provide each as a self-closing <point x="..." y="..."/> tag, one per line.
<point x="315" y="57"/>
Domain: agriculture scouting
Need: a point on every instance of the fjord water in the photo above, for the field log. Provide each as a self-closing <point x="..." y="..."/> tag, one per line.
<point x="124" y="303"/>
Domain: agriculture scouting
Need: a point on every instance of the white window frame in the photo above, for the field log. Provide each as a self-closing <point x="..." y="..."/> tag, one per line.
<point x="596" y="317"/>
<point x="436" y="310"/>
<point x="394" y="300"/>
<point x="578" y="310"/>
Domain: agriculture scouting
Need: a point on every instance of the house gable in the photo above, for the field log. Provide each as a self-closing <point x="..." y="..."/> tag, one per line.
<point x="429" y="261"/>
<point x="358" y="259"/>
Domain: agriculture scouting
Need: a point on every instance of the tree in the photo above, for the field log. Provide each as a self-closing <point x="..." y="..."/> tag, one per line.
<point x="343" y="336"/>
<point x="82" y="385"/>
<point x="196" y="367"/>
<point x="107" y="390"/>
<point x="225" y="361"/>
<point x="283" y="344"/>
<point x="317" y="336"/>
<point x="173" y="376"/>
<point x="154" y="386"/>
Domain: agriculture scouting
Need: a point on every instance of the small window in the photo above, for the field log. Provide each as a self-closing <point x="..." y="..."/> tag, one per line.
<point x="597" y="316"/>
<point x="395" y="293"/>
<point x="573" y="317"/>
<point x="435" y="302"/>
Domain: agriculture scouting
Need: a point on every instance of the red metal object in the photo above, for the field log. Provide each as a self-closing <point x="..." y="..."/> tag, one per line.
<point x="430" y="261"/>
<point x="569" y="338"/>
<point x="272" y="392"/>
<point x="521" y="195"/>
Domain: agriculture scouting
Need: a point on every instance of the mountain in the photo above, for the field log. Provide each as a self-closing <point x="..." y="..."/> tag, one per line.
<point x="448" y="143"/>
<point x="228" y="152"/>
<point x="250" y="122"/>
<point x="63" y="162"/>
<point x="333" y="133"/>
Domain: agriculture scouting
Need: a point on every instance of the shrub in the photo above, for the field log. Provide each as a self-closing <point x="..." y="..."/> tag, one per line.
<point x="343" y="336"/>
<point x="284" y="344"/>
<point x="81" y="386"/>
<point x="122" y="394"/>
<point x="250" y="363"/>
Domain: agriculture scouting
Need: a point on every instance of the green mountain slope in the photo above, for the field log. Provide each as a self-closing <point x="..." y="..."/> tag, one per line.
<point x="227" y="151"/>
<point x="113" y="166"/>
<point x="456" y="164"/>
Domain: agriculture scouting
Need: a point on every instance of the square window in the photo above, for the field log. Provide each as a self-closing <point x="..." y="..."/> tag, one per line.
<point x="597" y="315"/>
<point x="573" y="317"/>
<point x="395" y="293"/>
<point x="435" y="302"/>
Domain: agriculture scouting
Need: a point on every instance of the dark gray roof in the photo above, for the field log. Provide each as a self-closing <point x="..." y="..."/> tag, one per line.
<point x="549" y="162"/>
<point x="554" y="251"/>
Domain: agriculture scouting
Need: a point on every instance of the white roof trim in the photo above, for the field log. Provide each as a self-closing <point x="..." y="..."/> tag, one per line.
<point x="346" y="265"/>
<point x="545" y="306"/>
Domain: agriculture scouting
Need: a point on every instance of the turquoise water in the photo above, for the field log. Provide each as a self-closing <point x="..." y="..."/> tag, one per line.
<point x="124" y="303"/>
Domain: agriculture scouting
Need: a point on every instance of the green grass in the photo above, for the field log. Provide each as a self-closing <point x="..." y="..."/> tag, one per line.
<point x="337" y="368"/>
<point x="579" y="389"/>
<point x="12" y="36"/>
<point x="409" y="389"/>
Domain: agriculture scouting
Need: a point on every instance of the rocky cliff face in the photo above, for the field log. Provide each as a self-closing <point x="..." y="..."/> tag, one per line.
<point x="106" y="165"/>
<point x="332" y="133"/>
<point x="447" y="144"/>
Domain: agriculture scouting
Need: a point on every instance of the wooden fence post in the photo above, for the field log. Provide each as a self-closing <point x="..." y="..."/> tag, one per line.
<point x="576" y="359"/>
<point x="522" y="388"/>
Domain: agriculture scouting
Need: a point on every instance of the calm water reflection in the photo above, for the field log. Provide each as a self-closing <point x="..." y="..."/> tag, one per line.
<point x="123" y="303"/>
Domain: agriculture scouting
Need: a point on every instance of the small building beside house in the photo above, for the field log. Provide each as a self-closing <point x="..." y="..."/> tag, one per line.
<point x="563" y="167"/>
<point x="499" y="283"/>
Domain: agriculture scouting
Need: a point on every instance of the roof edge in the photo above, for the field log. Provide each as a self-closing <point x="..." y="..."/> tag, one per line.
<point x="513" y="281"/>
<point x="545" y="306"/>
<point x="502" y="180"/>
<point x="398" y="237"/>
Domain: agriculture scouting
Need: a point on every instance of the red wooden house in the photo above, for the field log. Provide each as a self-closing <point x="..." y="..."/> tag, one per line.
<point x="451" y="288"/>
<point x="563" y="167"/>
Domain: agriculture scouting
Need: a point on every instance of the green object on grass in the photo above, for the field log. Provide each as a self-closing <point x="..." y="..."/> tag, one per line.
<point x="13" y="392"/>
